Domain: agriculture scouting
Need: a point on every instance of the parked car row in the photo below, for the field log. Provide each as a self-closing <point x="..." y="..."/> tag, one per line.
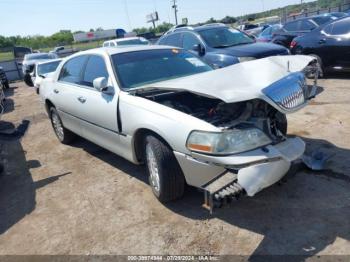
<point x="220" y="45"/>
<point x="326" y="37"/>
<point x="222" y="131"/>
<point x="42" y="70"/>
<point x="29" y="62"/>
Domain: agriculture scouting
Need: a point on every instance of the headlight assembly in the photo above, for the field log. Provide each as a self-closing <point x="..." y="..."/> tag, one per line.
<point x="245" y="58"/>
<point x="227" y="142"/>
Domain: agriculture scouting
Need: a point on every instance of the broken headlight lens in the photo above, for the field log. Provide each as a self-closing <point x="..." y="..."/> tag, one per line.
<point x="245" y="58"/>
<point x="228" y="142"/>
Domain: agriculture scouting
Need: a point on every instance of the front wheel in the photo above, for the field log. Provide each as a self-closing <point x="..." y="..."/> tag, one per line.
<point x="165" y="175"/>
<point x="64" y="135"/>
<point x="6" y="84"/>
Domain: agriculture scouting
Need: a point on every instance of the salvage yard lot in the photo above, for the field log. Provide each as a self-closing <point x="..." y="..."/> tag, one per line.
<point x="81" y="199"/>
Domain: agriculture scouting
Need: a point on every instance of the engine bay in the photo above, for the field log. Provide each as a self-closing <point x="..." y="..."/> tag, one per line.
<point x="226" y="116"/>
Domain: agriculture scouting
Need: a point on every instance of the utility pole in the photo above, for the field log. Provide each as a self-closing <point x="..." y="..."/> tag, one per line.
<point x="174" y="6"/>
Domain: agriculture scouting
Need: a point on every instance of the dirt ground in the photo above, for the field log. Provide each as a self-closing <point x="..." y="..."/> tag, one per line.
<point x="81" y="199"/>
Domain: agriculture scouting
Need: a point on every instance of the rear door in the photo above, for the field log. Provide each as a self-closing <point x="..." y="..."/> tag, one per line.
<point x="67" y="90"/>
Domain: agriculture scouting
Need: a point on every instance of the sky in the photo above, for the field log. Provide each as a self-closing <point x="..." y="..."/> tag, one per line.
<point x="45" y="17"/>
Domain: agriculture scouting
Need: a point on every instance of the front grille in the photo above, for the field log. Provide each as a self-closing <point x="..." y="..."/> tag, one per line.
<point x="289" y="93"/>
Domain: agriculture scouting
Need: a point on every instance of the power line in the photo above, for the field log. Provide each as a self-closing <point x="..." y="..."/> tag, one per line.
<point x="174" y="6"/>
<point x="127" y="14"/>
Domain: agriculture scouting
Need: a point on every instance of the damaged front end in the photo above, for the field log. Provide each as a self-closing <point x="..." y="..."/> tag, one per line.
<point x="250" y="149"/>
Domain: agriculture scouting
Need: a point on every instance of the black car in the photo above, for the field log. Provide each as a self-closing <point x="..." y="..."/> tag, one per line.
<point x="220" y="45"/>
<point x="300" y="27"/>
<point x="3" y="79"/>
<point x="330" y="44"/>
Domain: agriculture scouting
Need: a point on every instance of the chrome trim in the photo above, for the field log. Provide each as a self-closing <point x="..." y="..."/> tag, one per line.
<point x="289" y="93"/>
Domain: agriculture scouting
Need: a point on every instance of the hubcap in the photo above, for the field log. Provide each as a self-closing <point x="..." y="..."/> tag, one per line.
<point x="153" y="168"/>
<point x="57" y="126"/>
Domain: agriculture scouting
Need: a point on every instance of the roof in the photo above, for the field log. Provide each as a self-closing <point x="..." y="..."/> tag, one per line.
<point x="123" y="49"/>
<point x="181" y="28"/>
<point x="49" y="61"/>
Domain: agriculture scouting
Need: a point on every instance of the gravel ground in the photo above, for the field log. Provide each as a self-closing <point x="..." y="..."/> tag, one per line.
<point x="81" y="199"/>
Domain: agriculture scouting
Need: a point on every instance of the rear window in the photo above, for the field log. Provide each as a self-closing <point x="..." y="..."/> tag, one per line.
<point x="47" y="67"/>
<point x="145" y="67"/>
<point x="341" y="27"/>
<point x="292" y="26"/>
<point x="173" y="40"/>
<point x="320" y="20"/>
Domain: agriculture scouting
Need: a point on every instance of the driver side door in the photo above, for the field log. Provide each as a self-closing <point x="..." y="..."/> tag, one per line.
<point x="98" y="109"/>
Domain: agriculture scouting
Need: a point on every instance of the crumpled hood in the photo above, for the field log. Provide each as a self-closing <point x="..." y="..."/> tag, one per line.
<point x="239" y="82"/>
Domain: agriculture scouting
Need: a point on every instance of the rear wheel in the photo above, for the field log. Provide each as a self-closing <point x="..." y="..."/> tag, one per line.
<point x="6" y="84"/>
<point x="165" y="175"/>
<point x="64" y="135"/>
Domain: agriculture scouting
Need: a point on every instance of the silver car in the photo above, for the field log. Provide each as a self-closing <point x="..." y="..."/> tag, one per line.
<point x="223" y="131"/>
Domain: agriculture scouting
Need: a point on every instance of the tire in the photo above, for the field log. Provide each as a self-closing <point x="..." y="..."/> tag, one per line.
<point x="6" y="84"/>
<point x="282" y="123"/>
<point x="321" y="73"/>
<point x="164" y="173"/>
<point x="64" y="135"/>
<point x="28" y="80"/>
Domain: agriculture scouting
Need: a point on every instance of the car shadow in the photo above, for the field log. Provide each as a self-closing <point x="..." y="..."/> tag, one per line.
<point x="112" y="159"/>
<point x="301" y="216"/>
<point x="17" y="187"/>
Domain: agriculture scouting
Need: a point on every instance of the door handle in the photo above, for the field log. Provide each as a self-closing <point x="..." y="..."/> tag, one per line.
<point x="322" y="41"/>
<point x="82" y="99"/>
<point x="56" y="91"/>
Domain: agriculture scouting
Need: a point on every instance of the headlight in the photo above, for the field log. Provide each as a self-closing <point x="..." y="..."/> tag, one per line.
<point x="246" y="58"/>
<point x="227" y="142"/>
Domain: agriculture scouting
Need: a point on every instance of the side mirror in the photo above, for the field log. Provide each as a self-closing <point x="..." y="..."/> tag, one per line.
<point x="100" y="84"/>
<point x="199" y="49"/>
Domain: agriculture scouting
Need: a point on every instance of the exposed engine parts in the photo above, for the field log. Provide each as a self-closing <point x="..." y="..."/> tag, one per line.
<point x="253" y="113"/>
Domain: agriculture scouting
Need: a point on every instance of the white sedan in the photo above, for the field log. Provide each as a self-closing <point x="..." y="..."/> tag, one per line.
<point x="223" y="131"/>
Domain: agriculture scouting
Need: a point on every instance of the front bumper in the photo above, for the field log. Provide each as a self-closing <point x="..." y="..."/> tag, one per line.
<point x="256" y="169"/>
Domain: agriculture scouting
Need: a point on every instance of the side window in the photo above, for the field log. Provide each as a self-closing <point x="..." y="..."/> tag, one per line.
<point x="111" y="44"/>
<point x="162" y="41"/>
<point x="306" y="25"/>
<point x="95" y="68"/>
<point x="173" y="40"/>
<point x="71" y="71"/>
<point x="342" y="27"/>
<point x="189" y="40"/>
<point x="328" y="29"/>
<point x="292" y="26"/>
<point x="267" y="31"/>
<point x="106" y="44"/>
